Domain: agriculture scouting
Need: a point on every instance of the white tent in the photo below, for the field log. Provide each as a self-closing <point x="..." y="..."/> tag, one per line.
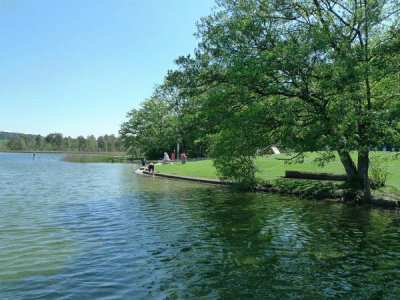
<point x="275" y="150"/>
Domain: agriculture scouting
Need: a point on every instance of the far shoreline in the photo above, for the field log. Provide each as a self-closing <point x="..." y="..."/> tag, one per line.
<point x="81" y="157"/>
<point x="60" y="152"/>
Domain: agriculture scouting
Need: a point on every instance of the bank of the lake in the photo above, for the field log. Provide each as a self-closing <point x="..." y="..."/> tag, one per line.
<point x="271" y="170"/>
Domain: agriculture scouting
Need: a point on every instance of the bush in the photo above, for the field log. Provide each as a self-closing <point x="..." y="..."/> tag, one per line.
<point x="240" y="171"/>
<point x="379" y="172"/>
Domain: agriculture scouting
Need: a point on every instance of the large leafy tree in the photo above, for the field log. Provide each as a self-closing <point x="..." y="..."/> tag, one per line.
<point x="82" y="143"/>
<point x="327" y="71"/>
<point x="191" y="128"/>
<point x="153" y="127"/>
<point x="55" y="140"/>
<point x="39" y="142"/>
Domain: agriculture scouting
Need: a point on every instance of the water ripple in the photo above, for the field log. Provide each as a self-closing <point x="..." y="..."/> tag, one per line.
<point x="71" y="231"/>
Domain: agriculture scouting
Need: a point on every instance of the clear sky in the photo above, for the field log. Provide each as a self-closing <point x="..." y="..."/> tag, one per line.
<point x="78" y="66"/>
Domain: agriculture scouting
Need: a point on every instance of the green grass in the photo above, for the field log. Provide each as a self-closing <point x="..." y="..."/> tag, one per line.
<point x="95" y="158"/>
<point x="394" y="169"/>
<point x="271" y="168"/>
<point x="274" y="166"/>
<point x="198" y="169"/>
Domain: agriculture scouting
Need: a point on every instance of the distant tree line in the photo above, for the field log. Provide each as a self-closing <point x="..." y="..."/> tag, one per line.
<point x="58" y="142"/>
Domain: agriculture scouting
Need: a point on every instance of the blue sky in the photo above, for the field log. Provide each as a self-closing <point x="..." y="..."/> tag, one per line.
<point x="78" y="66"/>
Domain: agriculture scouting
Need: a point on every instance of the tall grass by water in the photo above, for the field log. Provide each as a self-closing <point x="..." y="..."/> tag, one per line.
<point x="96" y="158"/>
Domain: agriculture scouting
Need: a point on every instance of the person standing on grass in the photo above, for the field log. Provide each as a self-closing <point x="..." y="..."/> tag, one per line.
<point x="183" y="157"/>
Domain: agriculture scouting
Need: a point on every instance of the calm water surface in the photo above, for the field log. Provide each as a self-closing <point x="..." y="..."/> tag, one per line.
<point x="97" y="231"/>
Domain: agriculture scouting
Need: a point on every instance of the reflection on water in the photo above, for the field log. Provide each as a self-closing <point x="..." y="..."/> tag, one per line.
<point x="70" y="231"/>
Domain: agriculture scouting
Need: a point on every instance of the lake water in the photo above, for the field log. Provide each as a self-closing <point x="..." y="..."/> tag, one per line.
<point x="98" y="231"/>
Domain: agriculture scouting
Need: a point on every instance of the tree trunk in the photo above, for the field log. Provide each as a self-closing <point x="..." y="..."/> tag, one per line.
<point x="363" y="167"/>
<point x="361" y="163"/>
<point x="350" y="167"/>
<point x="363" y="156"/>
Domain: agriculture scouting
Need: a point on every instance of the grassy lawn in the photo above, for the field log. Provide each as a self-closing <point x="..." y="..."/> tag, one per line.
<point x="198" y="169"/>
<point x="271" y="168"/>
<point x="394" y="169"/>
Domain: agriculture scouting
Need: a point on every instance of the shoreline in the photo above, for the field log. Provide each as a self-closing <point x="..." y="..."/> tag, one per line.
<point x="186" y="178"/>
<point x="343" y="196"/>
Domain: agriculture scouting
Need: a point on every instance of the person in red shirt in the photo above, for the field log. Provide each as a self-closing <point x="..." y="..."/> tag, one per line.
<point x="183" y="157"/>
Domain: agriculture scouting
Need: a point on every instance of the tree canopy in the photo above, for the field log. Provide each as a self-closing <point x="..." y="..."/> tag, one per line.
<point x="58" y="142"/>
<point x="306" y="75"/>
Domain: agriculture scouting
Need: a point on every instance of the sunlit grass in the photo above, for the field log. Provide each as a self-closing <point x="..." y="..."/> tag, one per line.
<point x="198" y="169"/>
<point x="272" y="167"/>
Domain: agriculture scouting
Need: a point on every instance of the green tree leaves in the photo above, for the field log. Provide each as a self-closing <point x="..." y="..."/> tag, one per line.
<point x="306" y="75"/>
<point x="152" y="128"/>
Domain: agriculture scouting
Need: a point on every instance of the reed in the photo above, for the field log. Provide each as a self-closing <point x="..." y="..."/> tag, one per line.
<point x="95" y="158"/>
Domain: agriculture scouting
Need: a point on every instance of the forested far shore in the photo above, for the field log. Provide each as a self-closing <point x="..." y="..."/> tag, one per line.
<point x="56" y="142"/>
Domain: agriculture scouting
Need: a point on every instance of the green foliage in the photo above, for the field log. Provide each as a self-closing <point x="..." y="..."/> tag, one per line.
<point x="81" y="143"/>
<point x="238" y="170"/>
<point x="318" y="66"/>
<point x="294" y="159"/>
<point x="302" y="75"/>
<point x="3" y="145"/>
<point x="152" y="128"/>
<point x="271" y="167"/>
<point x="379" y="172"/>
<point x="15" y="144"/>
<point x="5" y="136"/>
<point x="324" y="158"/>
<point x="233" y="163"/>
<point x="309" y="188"/>
<point x="57" y="142"/>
